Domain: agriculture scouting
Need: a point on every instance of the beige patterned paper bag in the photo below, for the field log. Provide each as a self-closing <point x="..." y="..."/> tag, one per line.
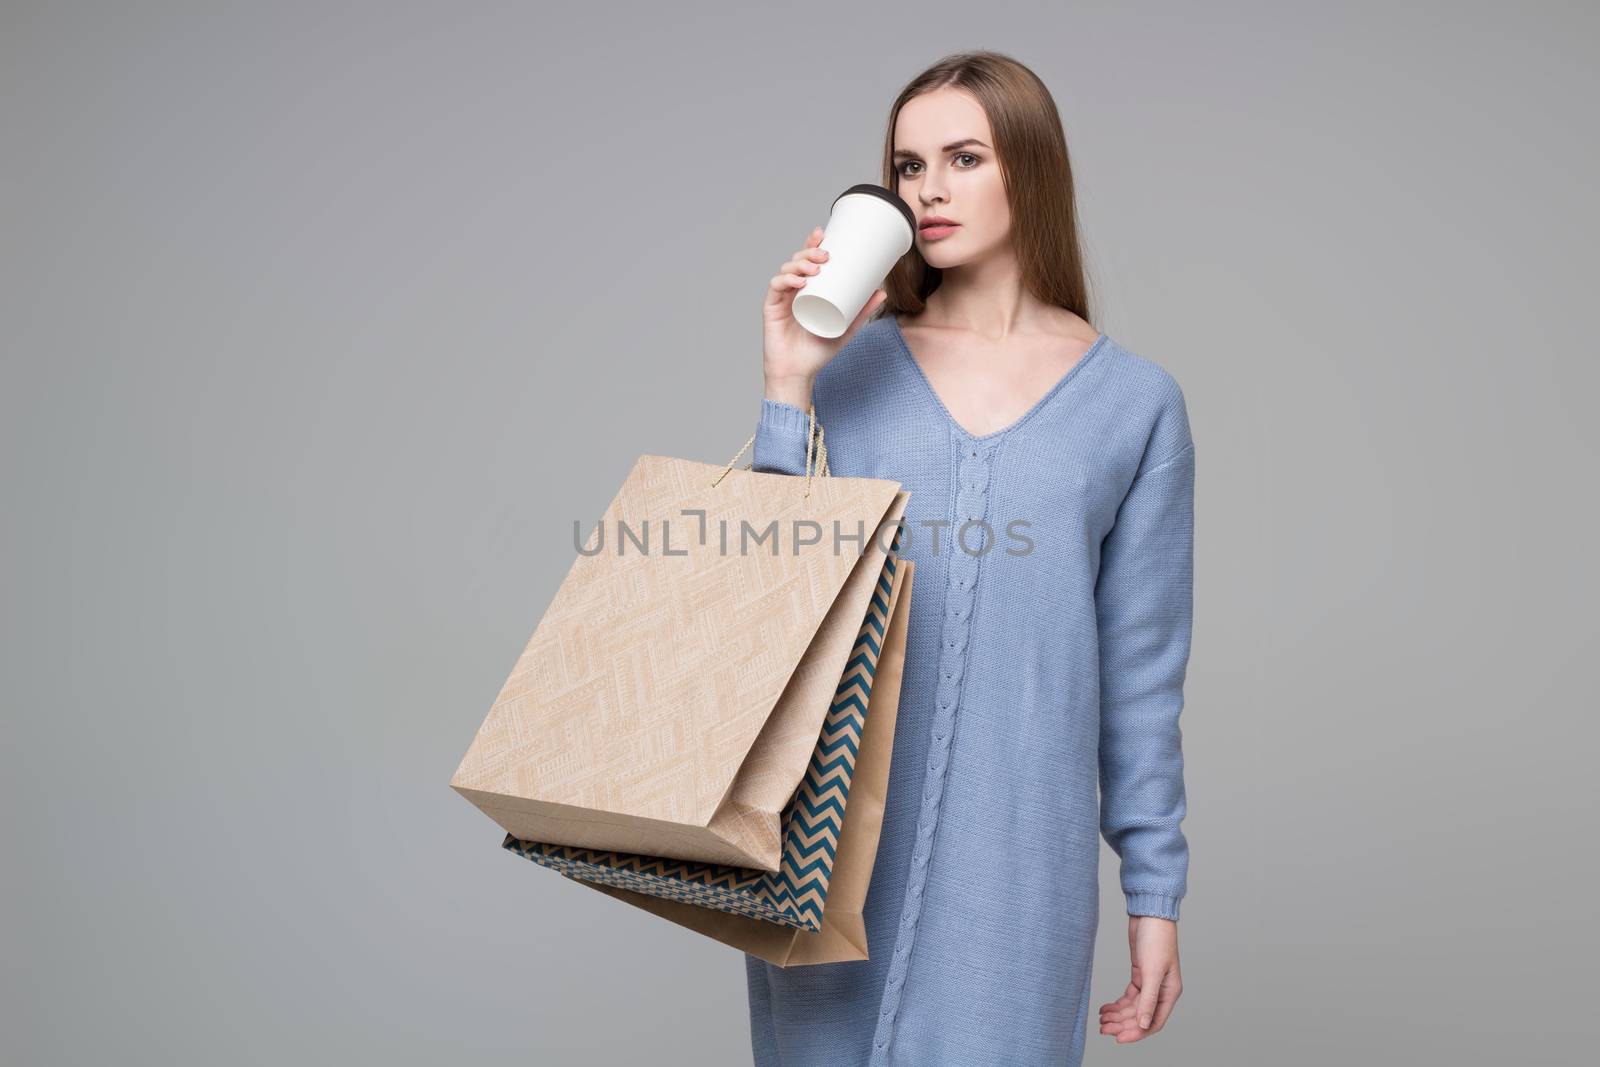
<point x="671" y="697"/>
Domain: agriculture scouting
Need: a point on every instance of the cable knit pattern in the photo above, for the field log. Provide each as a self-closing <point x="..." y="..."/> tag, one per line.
<point x="1045" y="660"/>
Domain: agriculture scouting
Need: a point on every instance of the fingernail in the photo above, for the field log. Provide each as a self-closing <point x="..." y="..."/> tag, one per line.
<point x="1145" y="1022"/>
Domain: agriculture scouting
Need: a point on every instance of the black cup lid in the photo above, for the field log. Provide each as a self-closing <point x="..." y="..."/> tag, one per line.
<point x="883" y="194"/>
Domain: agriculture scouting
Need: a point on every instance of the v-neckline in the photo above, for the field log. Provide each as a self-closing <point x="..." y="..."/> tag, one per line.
<point x="905" y="349"/>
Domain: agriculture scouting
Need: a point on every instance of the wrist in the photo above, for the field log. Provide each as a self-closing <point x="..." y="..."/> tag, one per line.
<point x="790" y="389"/>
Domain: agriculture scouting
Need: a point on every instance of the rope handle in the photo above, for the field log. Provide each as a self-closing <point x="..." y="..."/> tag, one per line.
<point x="815" y="447"/>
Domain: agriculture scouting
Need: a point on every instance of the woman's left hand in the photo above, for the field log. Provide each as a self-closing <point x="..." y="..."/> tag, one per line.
<point x="1144" y="1006"/>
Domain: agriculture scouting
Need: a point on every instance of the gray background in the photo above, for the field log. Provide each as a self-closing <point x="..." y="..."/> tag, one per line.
<point x="324" y="323"/>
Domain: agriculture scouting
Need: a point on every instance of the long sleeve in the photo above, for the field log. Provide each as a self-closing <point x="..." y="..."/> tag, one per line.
<point x="1144" y="606"/>
<point x="780" y="446"/>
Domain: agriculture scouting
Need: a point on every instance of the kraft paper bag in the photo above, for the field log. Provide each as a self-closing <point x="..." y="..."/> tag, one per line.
<point x="843" y="935"/>
<point x="670" y="699"/>
<point x="813" y="821"/>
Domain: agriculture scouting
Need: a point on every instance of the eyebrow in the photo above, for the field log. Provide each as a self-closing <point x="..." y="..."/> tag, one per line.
<point x="951" y="147"/>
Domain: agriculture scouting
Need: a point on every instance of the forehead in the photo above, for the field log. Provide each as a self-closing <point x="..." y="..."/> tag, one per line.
<point x="927" y="123"/>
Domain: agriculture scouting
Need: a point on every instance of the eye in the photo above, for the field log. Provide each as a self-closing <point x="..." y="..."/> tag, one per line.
<point x="959" y="155"/>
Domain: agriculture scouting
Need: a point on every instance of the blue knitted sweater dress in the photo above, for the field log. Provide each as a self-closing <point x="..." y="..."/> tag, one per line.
<point x="1045" y="659"/>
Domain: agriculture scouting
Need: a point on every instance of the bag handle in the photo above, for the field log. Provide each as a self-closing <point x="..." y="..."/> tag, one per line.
<point x="814" y="437"/>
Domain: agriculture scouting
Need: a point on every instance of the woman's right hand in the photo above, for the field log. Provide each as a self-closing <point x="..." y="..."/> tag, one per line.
<point x="791" y="354"/>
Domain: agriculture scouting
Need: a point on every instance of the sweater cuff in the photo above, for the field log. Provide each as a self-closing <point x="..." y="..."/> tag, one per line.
<point x="780" y="445"/>
<point x="1160" y="905"/>
<point x="784" y="417"/>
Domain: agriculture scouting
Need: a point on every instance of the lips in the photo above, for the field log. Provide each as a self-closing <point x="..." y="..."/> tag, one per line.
<point x="936" y="220"/>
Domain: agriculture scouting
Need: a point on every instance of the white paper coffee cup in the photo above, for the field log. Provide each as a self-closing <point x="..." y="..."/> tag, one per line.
<point x="868" y="230"/>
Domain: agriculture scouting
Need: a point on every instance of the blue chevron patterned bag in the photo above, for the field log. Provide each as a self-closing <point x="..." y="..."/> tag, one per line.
<point x="813" y="822"/>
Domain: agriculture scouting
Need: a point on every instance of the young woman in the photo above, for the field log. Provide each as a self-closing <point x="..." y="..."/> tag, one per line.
<point x="1051" y="473"/>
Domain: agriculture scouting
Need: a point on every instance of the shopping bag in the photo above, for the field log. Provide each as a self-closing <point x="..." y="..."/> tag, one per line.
<point x="671" y="697"/>
<point x="843" y="933"/>
<point x="813" y="821"/>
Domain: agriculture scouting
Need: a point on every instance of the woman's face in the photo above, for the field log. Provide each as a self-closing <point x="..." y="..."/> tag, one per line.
<point x="945" y="165"/>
